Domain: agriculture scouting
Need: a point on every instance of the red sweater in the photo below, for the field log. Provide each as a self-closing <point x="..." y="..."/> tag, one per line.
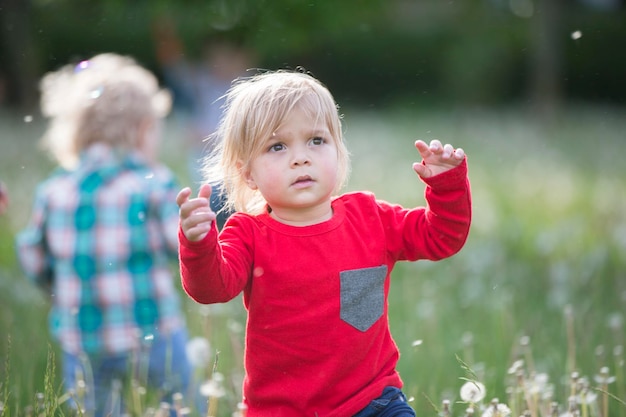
<point x="317" y="338"/>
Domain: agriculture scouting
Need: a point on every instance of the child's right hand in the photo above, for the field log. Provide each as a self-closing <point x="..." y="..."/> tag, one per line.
<point x="196" y="216"/>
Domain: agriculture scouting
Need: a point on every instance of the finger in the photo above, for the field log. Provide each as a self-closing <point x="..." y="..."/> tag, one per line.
<point x="422" y="148"/>
<point x="198" y="232"/>
<point x="459" y="153"/>
<point x="448" y="150"/>
<point x="435" y="146"/>
<point x="421" y="170"/>
<point x="198" y="226"/>
<point x="421" y="145"/>
<point x="205" y="191"/>
<point x="183" y="196"/>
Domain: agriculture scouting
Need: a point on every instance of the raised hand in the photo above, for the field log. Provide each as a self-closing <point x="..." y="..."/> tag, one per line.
<point x="436" y="158"/>
<point x="195" y="214"/>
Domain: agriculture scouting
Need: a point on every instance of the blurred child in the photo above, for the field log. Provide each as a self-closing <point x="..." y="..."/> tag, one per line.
<point x="103" y="233"/>
<point x="314" y="267"/>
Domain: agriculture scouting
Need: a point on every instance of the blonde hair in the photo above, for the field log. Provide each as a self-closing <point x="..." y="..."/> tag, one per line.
<point x="105" y="99"/>
<point x="254" y="108"/>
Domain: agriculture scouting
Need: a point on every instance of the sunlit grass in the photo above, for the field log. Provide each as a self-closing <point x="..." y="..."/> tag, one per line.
<point x="542" y="278"/>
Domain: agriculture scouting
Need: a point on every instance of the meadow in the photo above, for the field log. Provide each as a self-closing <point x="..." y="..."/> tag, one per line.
<point x="532" y="307"/>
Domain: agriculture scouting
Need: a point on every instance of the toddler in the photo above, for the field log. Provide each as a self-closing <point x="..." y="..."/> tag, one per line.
<point x="314" y="266"/>
<point x="102" y="233"/>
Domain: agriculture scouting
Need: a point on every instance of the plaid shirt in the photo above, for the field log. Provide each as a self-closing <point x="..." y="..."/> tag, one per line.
<point x="101" y="239"/>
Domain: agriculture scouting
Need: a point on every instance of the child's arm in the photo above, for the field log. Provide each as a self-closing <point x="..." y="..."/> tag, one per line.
<point x="203" y="275"/>
<point x="445" y="222"/>
<point x="31" y="247"/>
<point x="439" y="229"/>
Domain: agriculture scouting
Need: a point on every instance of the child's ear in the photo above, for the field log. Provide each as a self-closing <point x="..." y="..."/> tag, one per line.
<point x="247" y="176"/>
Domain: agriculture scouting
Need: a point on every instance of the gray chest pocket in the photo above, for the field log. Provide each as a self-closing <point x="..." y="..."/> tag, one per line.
<point x="362" y="296"/>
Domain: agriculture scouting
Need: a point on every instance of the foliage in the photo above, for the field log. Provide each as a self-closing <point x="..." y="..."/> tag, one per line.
<point x="472" y="52"/>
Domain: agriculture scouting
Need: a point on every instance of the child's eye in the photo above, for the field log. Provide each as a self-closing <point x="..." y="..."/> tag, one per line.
<point x="276" y="147"/>
<point x="317" y="140"/>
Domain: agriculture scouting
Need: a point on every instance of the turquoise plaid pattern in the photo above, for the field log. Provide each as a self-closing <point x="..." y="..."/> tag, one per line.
<point x="101" y="239"/>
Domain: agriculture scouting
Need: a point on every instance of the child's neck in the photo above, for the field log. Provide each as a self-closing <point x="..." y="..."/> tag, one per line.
<point x="301" y="218"/>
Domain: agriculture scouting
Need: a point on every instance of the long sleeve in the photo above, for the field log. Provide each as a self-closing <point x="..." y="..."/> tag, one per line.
<point x="212" y="271"/>
<point x="438" y="230"/>
<point x="31" y="245"/>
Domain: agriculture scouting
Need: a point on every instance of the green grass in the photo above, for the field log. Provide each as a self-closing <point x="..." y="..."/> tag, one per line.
<point x="545" y="262"/>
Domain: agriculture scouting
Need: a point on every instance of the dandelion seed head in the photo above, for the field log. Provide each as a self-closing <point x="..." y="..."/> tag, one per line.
<point x="616" y="322"/>
<point x="516" y="367"/>
<point x="599" y="350"/>
<point x="472" y="392"/>
<point x="28" y="118"/>
<point x="537" y="384"/>
<point x="416" y="343"/>
<point x="198" y="351"/>
<point x="577" y="34"/>
<point x="212" y="389"/>
<point x="497" y="410"/>
<point x="604" y="377"/>
<point x="587" y="397"/>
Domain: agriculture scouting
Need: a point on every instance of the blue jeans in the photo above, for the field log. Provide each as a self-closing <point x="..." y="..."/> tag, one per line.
<point x="392" y="403"/>
<point x="160" y="363"/>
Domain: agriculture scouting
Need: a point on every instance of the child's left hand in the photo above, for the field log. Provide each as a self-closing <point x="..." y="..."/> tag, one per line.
<point x="436" y="158"/>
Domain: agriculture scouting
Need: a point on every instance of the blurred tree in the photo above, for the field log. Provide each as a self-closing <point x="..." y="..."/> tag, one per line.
<point x="547" y="53"/>
<point x="20" y="61"/>
<point x="471" y="52"/>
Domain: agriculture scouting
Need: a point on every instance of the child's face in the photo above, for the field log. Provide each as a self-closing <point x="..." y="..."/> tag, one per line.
<point x="296" y="171"/>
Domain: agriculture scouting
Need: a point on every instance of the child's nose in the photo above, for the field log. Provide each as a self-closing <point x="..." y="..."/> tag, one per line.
<point x="300" y="157"/>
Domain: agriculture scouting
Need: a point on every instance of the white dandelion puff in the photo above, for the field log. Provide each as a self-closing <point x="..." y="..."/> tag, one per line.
<point x="213" y="388"/>
<point x="517" y="366"/>
<point x="198" y="351"/>
<point x="472" y="392"/>
<point x="499" y="410"/>
<point x="604" y="377"/>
